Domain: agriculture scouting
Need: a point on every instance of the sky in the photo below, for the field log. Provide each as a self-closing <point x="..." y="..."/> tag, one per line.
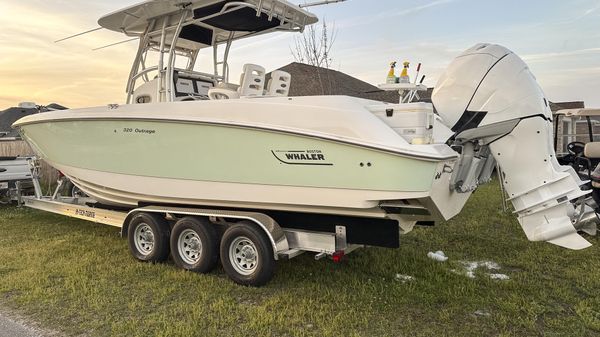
<point x="559" y="40"/>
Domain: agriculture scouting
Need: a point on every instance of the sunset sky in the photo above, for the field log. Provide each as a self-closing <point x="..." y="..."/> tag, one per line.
<point x="560" y="40"/>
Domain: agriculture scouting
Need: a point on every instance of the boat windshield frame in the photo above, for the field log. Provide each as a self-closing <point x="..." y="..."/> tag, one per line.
<point x="163" y="35"/>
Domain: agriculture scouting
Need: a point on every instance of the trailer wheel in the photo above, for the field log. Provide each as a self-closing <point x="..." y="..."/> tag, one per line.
<point x="247" y="255"/>
<point x="194" y="245"/>
<point x="148" y="237"/>
<point x="73" y="191"/>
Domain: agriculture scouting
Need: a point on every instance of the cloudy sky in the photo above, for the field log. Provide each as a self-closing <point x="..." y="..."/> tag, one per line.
<point x="560" y="40"/>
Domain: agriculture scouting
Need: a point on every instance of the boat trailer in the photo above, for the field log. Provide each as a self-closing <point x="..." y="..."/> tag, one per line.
<point x="144" y="241"/>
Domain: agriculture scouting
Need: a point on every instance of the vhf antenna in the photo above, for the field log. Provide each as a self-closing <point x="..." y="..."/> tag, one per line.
<point x="78" y="34"/>
<point x="319" y="3"/>
<point x="95" y="30"/>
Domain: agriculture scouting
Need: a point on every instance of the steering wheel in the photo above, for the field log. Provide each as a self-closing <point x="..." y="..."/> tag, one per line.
<point x="576" y="148"/>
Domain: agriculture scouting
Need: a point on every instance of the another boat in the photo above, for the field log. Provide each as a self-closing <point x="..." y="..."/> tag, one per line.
<point x="192" y="138"/>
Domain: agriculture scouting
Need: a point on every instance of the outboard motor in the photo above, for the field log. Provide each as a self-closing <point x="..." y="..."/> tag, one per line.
<point x="493" y="104"/>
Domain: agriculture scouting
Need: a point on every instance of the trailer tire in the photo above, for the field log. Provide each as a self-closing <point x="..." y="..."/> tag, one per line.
<point x="148" y="237"/>
<point x="247" y="255"/>
<point x="72" y="191"/>
<point x="194" y="245"/>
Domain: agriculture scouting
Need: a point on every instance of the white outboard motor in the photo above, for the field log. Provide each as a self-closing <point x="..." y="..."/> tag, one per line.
<point x="493" y="104"/>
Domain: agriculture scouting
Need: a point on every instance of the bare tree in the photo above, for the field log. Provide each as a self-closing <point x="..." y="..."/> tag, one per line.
<point x="314" y="47"/>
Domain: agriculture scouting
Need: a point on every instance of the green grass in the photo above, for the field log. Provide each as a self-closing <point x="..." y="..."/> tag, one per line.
<point x="78" y="278"/>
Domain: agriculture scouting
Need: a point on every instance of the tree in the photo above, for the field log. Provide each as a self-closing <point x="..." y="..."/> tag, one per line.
<point x="314" y="47"/>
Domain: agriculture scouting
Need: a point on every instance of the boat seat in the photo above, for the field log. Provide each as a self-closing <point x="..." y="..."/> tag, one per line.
<point x="279" y="84"/>
<point x="146" y="93"/>
<point x="252" y="82"/>
<point x="224" y="91"/>
<point x="229" y="86"/>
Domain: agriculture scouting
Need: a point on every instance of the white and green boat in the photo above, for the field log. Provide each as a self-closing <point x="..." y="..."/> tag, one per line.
<point x="194" y="139"/>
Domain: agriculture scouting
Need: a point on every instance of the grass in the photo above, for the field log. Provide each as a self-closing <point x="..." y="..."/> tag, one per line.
<point x="78" y="278"/>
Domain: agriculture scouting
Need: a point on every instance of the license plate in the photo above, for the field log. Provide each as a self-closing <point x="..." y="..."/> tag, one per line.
<point x="3" y="185"/>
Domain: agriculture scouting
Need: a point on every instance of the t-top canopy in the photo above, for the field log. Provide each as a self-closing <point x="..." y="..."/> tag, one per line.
<point x="210" y="17"/>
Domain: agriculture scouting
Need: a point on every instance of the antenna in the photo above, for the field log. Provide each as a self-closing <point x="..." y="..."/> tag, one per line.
<point x="79" y="34"/>
<point x="117" y="43"/>
<point x="319" y="3"/>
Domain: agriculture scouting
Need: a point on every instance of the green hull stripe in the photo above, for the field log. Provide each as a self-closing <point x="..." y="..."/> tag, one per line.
<point x="225" y="154"/>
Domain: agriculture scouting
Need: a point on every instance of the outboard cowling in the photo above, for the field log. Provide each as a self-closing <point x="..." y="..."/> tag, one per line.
<point x="494" y="105"/>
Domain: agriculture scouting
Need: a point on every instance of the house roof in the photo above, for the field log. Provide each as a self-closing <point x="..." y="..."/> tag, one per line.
<point x="11" y="115"/>
<point x="556" y="106"/>
<point x="579" y="112"/>
<point x="309" y="80"/>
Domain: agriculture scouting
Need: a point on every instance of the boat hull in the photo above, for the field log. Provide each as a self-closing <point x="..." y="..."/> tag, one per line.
<point x="127" y="162"/>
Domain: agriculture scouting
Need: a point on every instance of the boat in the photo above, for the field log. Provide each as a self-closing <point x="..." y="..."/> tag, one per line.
<point x="195" y="139"/>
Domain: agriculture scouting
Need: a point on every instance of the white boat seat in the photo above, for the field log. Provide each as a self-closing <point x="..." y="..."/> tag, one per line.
<point x="279" y="84"/>
<point x="230" y="86"/>
<point x="222" y="93"/>
<point x="146" y="93"/>
<point x="252" y="82"/>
